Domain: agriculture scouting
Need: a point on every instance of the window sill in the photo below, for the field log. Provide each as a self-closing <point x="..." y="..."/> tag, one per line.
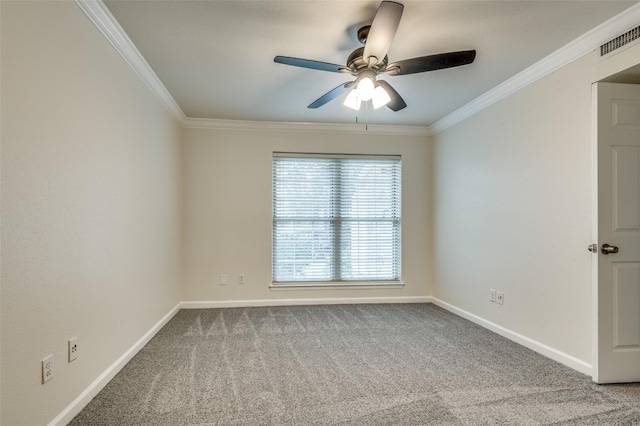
<point x="337" y="285"/>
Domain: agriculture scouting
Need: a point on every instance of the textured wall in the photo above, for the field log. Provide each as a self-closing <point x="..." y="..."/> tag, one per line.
<point x="512" y="208"/>
<point x="228" y="210"/>
<point x="91" y="190"/>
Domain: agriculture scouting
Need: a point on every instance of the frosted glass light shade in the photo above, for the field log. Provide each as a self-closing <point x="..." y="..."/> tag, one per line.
<point x="380" y="97"/>
<point x="352" y="101"/>
<point x="365" y="89"/>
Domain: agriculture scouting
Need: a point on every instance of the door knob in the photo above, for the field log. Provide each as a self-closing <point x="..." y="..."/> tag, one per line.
<point x="607" y="249"/>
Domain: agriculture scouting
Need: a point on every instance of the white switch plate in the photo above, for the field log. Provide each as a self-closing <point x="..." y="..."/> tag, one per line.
<point x="492" y="295"/>
<point x="223" y="279"/>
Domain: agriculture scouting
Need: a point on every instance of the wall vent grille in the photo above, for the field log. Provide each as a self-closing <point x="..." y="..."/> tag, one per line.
<point x="620" y="41"/>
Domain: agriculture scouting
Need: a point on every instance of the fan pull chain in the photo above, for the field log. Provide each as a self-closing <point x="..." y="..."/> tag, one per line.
<point x="366" y="116"/>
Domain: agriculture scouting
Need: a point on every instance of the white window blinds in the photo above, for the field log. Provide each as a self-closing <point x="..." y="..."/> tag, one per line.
<point x="336" y="218"/>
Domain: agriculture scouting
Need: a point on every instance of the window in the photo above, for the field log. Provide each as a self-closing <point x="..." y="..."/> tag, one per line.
<point x="336" y="218"/>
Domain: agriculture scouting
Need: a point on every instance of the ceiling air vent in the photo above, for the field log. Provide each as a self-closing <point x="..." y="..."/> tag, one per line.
<point x="620" y="41"/>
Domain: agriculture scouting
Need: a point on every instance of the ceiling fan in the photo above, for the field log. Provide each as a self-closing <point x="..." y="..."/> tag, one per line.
<point x="366" y="63"/>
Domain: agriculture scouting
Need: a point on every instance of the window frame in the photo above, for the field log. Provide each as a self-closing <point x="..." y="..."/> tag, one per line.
<point x="335" y="222"/>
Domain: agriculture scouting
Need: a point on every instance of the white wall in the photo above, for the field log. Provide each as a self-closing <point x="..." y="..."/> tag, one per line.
<point x="91" y="222"/>
<point x="512" y="208"/>
<point x="228" y="210"/>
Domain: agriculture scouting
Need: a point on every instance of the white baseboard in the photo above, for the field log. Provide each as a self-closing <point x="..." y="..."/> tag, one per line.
<point x="534" y="345"/>
<point x="297" y="302"/>
<point x="90" y="392"/>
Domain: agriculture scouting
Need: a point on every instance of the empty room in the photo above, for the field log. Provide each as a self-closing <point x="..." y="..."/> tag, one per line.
<point x="319" y="212"/>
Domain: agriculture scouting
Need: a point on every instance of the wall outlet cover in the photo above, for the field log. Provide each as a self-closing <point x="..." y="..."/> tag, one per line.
<point x="73" y="348"/>
<point x="47" y="368"/>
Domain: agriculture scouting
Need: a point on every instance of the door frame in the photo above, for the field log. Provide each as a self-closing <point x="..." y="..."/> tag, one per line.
<point x="594" y="232"/>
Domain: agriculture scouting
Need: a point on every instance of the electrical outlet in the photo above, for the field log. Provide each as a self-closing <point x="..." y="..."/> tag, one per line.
<point x="492" y="295"/>
<point x="241" y="279"/>
<point x="73" y="348"/>
<point x="223" y="279"/>
<point x="500" y="298"/>
<point x="47" y="368"/>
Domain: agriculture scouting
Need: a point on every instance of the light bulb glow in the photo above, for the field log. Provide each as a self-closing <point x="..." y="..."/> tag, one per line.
<point x="380" y="97"/>
<point x="365" y="89"/>
<point x="352" y="101"/>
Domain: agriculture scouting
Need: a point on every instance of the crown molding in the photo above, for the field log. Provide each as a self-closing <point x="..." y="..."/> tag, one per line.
<point x="276" y="126"/>
<point x="98" y="13"/>
<point x="579" y="47"/>
<point x="107" y="24"/>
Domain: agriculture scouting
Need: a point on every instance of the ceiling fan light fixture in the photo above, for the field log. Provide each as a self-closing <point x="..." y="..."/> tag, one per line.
<point x="365" y="89"/>
<point x="366" y="63"/>
<point x="380" y="97"/>
<point x="352" y="101"/>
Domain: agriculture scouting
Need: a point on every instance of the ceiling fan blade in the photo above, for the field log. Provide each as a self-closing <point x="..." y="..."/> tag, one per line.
<point x="431" y="63"/>
<point x="307" y="63"/>
<point x="383" y="29"/>
<point x="331" y="95"/>
<point x="396" y="103"/>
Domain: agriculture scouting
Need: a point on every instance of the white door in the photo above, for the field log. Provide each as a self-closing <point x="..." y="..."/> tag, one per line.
<point x="617" y="292"/>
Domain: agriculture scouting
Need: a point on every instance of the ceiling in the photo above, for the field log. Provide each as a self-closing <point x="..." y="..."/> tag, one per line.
<point x="216" y="57"/>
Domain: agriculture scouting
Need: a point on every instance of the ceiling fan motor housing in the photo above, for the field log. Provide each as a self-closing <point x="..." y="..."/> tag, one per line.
<point x="356" y="62"/>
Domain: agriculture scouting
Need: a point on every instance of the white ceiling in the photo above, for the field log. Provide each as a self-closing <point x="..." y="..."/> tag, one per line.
<point x="216" y="57"/>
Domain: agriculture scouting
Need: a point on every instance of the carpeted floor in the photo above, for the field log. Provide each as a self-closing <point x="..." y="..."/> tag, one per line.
<point x="411" y="364"/>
